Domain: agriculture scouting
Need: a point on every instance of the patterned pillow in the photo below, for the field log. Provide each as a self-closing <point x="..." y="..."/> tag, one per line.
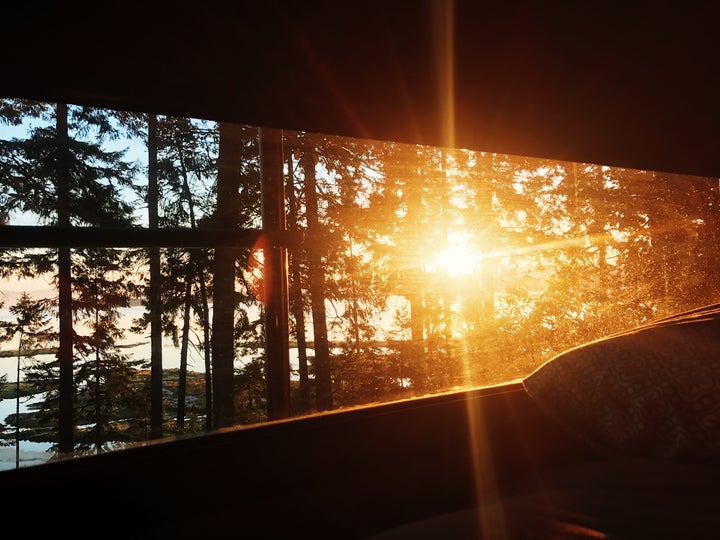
<point x="650" y="392"/>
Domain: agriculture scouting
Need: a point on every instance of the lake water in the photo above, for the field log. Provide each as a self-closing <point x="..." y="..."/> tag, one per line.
<point x="31" y="453"/>
<point x="136" y="346"/>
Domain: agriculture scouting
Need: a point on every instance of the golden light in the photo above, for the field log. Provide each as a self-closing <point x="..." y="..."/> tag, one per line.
<point x="456" y="260"/>
<point x="254" y="271"/>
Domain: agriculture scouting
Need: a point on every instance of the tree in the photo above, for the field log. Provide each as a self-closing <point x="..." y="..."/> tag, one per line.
<point x="179" y="196"/>
<point x="296" y="257"/>
<point x="155" y="286"/>
<point x="32" y="326"/>
<point x="189" y="153"/>
<point x="321" y="362"/>
<point x="145" y="126"/>
<point x="107" y="397"/>
<point x="65" y="180"/>
<point x="3" y="433"/>
<point x="224" y="297"/>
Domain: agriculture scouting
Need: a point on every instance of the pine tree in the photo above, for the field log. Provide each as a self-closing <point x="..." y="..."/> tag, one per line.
<point x="155" y="286"/>
<point x="184" y="168"/>
<point x="234" y="207"/>
<point x="189" y="150"/>
<point x="295" y="282"/>
<point x="106" y="397"/>
<point x="32" y="326"/>
<point x="65" y="179"/>
<point x="145" y="126"/>
<point x="275" y="294"/>
<point x="321" y="362"/>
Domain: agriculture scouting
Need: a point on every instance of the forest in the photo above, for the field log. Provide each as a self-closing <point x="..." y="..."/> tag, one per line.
<point x="411" y="270"/>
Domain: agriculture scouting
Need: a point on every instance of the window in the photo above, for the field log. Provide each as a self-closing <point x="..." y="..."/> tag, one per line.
<point x="406" y="271"/>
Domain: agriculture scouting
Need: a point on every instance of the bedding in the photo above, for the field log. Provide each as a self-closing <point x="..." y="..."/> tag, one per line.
<point x="653" y="391"/>
<point x="613" y="499"/>
<point x="649" y="401"/>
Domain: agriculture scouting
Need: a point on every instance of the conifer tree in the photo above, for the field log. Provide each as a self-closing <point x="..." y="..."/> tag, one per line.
<point x="187" y="169"/>
<point x="62" y="174"/>
<point x="3" y="433"/>
<point x="32" y="326"/>
<point x="106" y="397"/>
<point x="179" y="196"/>
<point x="155" y="286"/>
<point x="145" y="127"/>
<point x="321" y="363"/>
<point x="296" y="277"/>
<point x="237" y="204"/>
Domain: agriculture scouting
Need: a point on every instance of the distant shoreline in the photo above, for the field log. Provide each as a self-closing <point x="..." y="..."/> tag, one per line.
<point x="13" y="353"/>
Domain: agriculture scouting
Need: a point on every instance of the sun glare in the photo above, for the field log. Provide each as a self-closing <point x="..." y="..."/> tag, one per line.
<point x="456" y="260"/>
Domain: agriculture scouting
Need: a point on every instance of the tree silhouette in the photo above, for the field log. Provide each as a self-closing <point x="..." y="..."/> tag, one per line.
<point x="562" y="253"/>
<point x="233" y="209"/>
<point x="179" y="195"/>
<point x="106" y="397"/>
<point x="32" y="326"/>
<point x="62" y="174"/>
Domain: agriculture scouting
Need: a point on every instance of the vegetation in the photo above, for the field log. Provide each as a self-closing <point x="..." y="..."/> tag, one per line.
<point x="411" y="270"/>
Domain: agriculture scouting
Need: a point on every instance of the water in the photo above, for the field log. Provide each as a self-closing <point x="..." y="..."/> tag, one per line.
<point x="139" y="351"/>
<point x="31" y="453"/>
<point x="136" y="346"/>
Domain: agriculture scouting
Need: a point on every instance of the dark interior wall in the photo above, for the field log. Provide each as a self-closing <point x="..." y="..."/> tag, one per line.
<point x="625" y="85"/>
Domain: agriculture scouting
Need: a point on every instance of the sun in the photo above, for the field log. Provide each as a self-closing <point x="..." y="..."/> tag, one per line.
<point x="456" y="260"/>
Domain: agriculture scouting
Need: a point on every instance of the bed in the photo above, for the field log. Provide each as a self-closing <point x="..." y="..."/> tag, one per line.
<point x="648" y="402"/>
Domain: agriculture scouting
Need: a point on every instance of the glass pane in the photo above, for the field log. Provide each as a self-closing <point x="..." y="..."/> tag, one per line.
<point x="449" y="269"/>
<point x="411" y="270"/>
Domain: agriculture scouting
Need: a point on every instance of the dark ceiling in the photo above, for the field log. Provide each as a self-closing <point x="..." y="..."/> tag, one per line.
<point x="631" y="86"/>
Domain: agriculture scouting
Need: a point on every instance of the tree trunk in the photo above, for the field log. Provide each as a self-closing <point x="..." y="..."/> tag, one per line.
<point x="223" y="317"/>
<point x="17" y="404"/>
<point x="323" y="380"/>
<point x="206" y="351"/>
<point x="98" y="419"/>
<point x="185" y="338"/>
<point x="182" y="376"/>
<point x="65" y="348"/>
<point x="417" y="282"/>
<point x="156" y="361"/>
<point x="295" y="294"/>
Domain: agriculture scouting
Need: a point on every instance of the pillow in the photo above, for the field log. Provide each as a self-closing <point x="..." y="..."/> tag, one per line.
<point x="650" y="392"/>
